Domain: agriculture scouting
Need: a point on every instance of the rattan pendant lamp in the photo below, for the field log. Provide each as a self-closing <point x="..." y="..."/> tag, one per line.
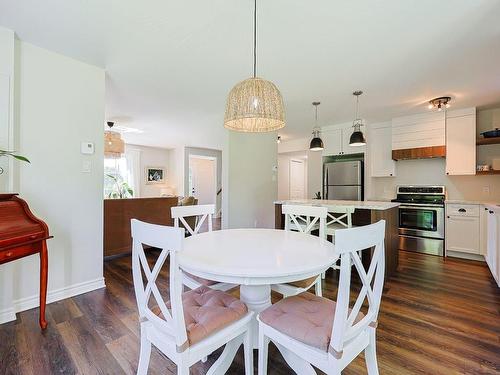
<point x="254" y="105"/>
<point x="114" y="146"/>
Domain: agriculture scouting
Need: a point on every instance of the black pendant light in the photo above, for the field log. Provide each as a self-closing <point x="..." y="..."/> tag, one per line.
<point x="316" y="143"/>
<point x="357" y="137"/>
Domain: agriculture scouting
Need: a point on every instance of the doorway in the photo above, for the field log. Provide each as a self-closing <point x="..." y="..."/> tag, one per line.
<point x="203" y="178"/>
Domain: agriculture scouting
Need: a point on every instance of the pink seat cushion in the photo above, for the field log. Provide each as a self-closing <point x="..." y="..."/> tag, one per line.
<point x="200" y="280"/>
<point x="206" y="311"/>
<point x="305" y="317"/>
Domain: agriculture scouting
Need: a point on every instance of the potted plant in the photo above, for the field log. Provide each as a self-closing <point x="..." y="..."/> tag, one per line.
<point x="12" y="154"/>
<point x="121" y="189"/>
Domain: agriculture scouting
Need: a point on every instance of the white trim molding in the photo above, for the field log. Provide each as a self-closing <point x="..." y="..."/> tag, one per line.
<point x="23" y="304"/>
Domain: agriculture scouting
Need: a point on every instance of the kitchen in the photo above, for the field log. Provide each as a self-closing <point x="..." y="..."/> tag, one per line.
<point x="435" y="163"/>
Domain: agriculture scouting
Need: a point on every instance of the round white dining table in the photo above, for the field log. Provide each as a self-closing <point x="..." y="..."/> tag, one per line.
<point x="255" y="259"/>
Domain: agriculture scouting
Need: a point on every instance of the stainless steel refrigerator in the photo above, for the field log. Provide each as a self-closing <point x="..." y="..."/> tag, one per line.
<point x="343" y="180"/>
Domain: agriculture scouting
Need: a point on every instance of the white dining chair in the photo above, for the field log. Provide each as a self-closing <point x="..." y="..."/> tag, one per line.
<point x="339" y="217"/>
<point x="315" y="218"/>
<point x="203" y="212"/>
<point x="308" y="329"/>
<point x="191" y="325"/>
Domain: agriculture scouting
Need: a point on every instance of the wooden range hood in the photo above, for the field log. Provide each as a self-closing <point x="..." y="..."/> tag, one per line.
<point x="419" y="153"/>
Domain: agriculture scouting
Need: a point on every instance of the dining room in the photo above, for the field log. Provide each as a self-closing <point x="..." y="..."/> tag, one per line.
<point x="266" y="168"/>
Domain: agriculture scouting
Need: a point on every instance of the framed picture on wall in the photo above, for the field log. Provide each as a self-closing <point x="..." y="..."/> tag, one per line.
<point x="155" y="175"/>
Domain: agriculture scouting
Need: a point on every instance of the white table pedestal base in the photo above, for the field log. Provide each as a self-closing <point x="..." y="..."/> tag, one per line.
<point x="257" y="298"/>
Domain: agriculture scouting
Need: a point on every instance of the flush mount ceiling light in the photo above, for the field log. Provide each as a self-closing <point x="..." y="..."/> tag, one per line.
<point x="316" y="143"/>
<point x="440" y="103"/>
<point x="114" y="146"/>
<point x="357" y="138"/>
<point x="254" y="105"/>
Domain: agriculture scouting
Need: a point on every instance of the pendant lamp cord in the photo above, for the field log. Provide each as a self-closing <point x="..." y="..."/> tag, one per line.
<point x="255" y="39"/>
<point x="357" y="105"/>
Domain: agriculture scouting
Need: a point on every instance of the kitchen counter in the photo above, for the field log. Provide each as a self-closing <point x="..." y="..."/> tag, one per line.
<point x="365" y="205"/>
<point x="465" y="201"/>
<point x="366" y="212"/>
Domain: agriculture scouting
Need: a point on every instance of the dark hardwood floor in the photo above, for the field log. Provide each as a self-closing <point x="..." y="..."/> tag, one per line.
<point x="437" y="317"/>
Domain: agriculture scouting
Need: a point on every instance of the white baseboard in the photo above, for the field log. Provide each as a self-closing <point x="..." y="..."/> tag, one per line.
<point x="7" y="315"/>
<point x="31" y="302"/>
<point x="458" y="254"/>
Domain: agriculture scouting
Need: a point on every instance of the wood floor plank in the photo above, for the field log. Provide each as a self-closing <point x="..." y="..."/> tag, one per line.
<point x="8" y="352"/>
<point x="94" y="306"/>
<point x="87" y="348"/>
<point x="47" y="351"/>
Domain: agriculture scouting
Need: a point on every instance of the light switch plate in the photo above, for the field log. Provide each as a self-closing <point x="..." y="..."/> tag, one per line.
<point x="86" y="166"/>
<point x="87" y="148"/>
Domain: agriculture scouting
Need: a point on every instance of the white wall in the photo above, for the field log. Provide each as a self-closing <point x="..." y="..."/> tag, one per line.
<point x="7" y="78"/>
<point x="176" y="170"/>
<point x="59" y="103"/>
<point x="152" y="157"/>
<point x="250" y="183"/>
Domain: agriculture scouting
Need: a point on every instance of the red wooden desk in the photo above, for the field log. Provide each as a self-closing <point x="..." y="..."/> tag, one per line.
<point x="21" y="235"/>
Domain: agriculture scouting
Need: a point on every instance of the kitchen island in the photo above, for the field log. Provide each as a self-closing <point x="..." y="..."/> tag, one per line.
<point x="366" y="212"/>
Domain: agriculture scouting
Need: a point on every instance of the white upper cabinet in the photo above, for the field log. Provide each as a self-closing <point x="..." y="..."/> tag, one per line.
<point x="336" y="140"/>
<point x="332" y="140"/>
<point x="380" y="142"/>
<point x="461" y="142"/>
<point x="422" y="130"/>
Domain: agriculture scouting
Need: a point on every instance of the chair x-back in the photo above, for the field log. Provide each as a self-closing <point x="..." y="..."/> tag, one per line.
<point x="295" y="217"/>
<point x="329" y="335"/>
<point x="203" y="213"/>
<point x="339" y="217"/>
<point x="223" y="319"/>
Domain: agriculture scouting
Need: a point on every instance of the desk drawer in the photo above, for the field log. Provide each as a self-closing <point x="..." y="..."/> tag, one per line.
<point x="21" y="239"/>
<point x="17" y="252"/>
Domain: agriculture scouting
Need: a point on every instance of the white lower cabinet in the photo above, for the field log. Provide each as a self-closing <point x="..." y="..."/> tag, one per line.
<point x="492" y="255"/>
<point x="462" y="228"/>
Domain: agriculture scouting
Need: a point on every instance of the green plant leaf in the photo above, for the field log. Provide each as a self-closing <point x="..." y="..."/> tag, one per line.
<point x="22" y="158"/>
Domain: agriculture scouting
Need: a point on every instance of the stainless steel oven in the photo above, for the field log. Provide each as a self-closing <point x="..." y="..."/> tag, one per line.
<point x="421" y="218"/>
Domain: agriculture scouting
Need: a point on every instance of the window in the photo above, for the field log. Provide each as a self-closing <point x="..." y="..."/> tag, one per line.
<point x="116" y="167"/>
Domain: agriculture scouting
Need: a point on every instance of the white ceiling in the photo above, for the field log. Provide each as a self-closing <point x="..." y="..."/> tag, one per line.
<point x="170" y="64"/>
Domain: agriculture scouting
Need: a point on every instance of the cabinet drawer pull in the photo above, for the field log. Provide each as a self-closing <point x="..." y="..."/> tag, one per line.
<point x="491" y="212"/>
<point x="462" y="210"/>
<point x="9" y="254"/>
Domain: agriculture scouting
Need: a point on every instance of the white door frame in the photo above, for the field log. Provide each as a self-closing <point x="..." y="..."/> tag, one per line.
<point x="214" y="159"/>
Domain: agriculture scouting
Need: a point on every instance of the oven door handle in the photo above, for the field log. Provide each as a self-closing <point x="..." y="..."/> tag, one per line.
<point x="420" y="207"/>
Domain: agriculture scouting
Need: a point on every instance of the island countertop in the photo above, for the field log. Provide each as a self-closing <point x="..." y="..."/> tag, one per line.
<point x="364" y="205"/>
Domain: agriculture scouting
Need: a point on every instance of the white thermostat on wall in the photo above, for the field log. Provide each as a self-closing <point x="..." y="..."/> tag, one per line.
<point x="87" y="148"/>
